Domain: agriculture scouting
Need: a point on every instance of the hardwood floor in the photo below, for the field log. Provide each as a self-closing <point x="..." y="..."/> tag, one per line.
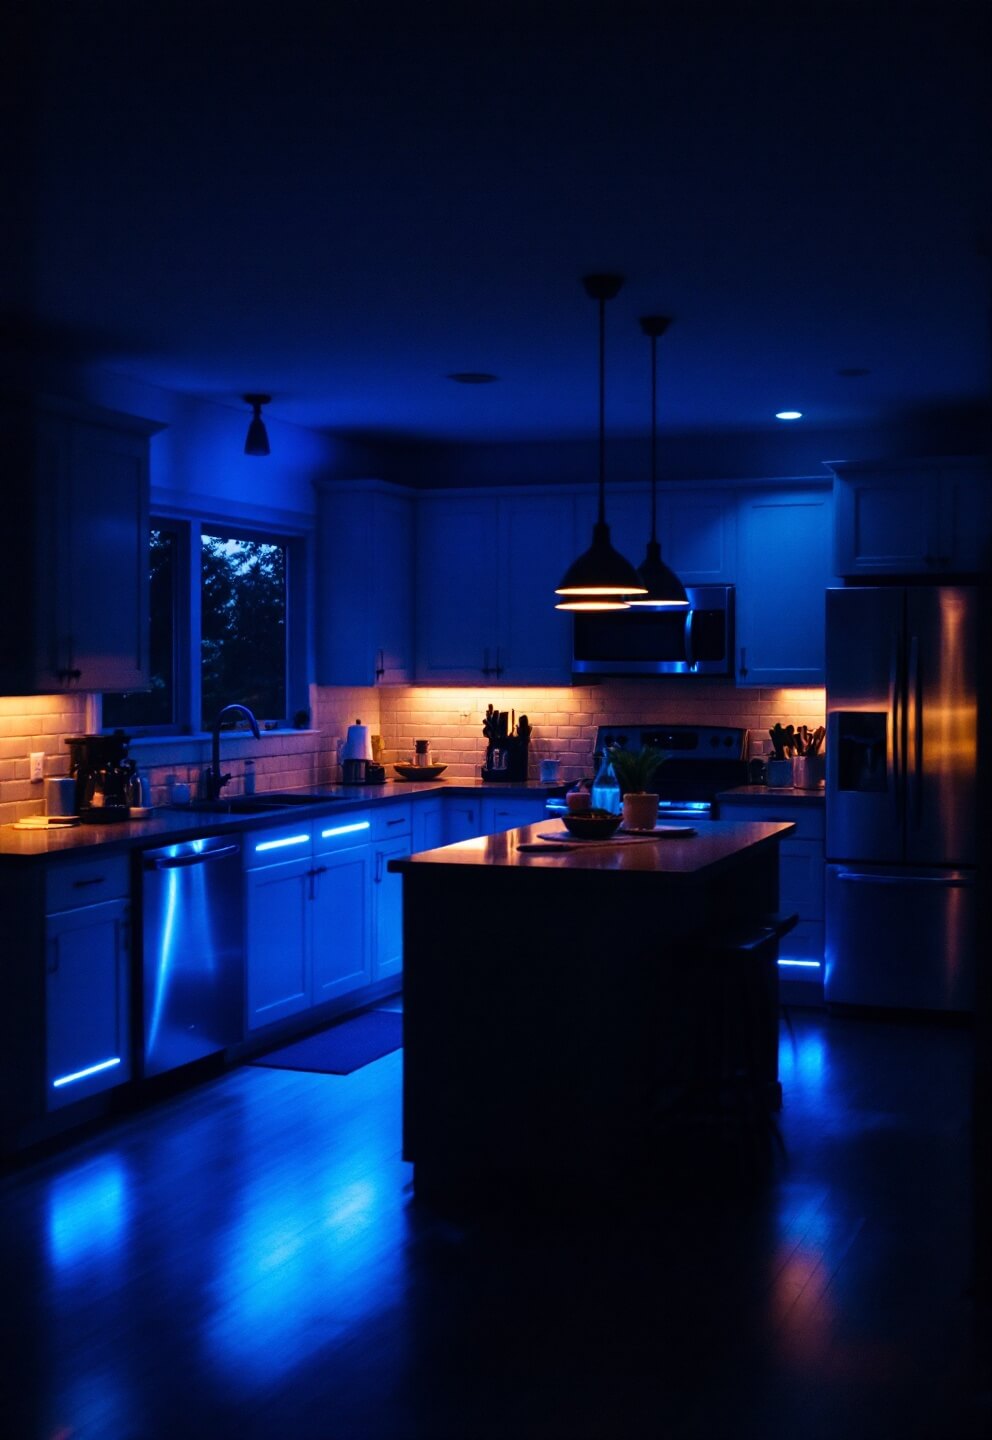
<point x="246" y="1260"/>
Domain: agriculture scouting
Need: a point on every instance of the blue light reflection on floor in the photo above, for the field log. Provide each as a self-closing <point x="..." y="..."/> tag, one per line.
<point x="802" y="1062"/>
<point x="269" y="1314"/>
<point x="87" y="1215"/>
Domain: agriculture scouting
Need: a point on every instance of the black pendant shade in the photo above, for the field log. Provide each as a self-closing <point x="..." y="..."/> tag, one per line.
<point x="664" y="590"/>
<point x="600" y="579"/>
<point x="257" y="439"/>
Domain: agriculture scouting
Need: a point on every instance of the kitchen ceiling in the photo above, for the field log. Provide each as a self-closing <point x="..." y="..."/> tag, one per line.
<point x="341" y="205"/>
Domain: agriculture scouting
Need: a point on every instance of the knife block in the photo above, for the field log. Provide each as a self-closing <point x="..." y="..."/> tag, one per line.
<point x="506" y="760"/>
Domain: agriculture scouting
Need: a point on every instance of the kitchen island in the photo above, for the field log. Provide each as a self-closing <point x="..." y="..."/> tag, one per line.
<point x="554" y="1002"/>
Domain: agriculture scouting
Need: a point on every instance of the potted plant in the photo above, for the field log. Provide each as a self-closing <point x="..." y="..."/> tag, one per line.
<point x="635" y="770"/>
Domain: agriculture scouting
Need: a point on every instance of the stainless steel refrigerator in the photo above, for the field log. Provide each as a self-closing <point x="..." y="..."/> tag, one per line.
<point x="902" y="724"/>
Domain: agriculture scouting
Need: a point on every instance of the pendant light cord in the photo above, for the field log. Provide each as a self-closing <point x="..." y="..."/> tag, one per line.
<point x="602" y="410"/>
<point x="654" y="438"/>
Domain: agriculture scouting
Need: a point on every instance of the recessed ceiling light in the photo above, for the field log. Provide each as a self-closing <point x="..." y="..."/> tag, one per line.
<point x="472" y="377"/>
<point x="788" y="415"/>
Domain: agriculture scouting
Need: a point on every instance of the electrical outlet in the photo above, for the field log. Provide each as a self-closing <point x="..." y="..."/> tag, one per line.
<point x="37" y="761"/>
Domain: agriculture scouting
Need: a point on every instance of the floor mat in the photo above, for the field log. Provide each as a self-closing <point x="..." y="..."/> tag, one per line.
<point x="341" y="1048"/>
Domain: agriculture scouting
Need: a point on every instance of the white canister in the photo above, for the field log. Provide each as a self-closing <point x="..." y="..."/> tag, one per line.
<point x="550" y="771"/>
<point x="60" y="796"/>
<point x="779" y="772"/>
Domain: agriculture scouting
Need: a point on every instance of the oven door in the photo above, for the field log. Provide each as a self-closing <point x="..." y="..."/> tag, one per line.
<point x="699" y="641"/>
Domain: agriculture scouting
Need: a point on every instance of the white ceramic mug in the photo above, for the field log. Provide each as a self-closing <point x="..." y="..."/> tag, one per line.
<point x="550" y="771"/>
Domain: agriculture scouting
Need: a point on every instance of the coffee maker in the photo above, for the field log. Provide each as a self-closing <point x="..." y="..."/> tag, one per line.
<point x="103" y="775"/>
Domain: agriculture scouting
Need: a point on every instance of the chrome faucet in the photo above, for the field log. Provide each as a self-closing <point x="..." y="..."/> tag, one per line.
<point x="215" y="780"/>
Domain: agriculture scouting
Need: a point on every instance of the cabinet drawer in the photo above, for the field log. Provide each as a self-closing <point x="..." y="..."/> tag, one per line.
<point x="341" y="832"/>
<point x="276" y="844"/>
<point x="87" y="882"/>
<point x="808" y="819"/>
<point x="389" y="821"/>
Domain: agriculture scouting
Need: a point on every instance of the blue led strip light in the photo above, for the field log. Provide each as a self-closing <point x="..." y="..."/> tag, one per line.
<point x="803" y="964"/>
<point x="82" y="1074"/>
<point x="345" y="829"/>
<point x="278" y="844"/>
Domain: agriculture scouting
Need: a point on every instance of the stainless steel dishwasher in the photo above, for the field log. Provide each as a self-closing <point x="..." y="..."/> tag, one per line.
<point x="192" y="951"/>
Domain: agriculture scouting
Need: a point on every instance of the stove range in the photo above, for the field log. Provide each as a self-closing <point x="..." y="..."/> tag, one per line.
<point x="702" y="761"/>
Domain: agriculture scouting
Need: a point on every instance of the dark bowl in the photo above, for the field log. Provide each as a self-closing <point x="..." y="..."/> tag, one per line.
<point x="419" y="772"/>
<point x="592" y="827"/>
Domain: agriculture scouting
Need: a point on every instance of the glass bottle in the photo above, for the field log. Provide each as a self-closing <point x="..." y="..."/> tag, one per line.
<point x="605" y="790"/>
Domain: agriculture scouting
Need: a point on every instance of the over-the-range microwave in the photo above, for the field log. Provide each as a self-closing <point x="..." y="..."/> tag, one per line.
<point x="699" y="641"/>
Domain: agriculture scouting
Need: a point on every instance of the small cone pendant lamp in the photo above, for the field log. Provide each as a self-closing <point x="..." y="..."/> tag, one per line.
<point x="663" y="588"/>
<point x="257" y="439"/>
<point x="600" y="578"/>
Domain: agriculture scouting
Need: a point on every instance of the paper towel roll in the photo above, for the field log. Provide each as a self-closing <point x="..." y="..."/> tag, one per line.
<point x="358" y="745"/>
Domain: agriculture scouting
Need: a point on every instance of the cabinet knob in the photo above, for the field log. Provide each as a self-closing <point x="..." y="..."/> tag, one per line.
<point x="743" y="664"/>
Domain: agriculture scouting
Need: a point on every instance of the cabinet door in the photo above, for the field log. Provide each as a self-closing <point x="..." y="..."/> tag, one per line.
<point x="888" y="523"/>
<point x="342" y="939"/>
<point x="537" y="544"/>
<point x="87" y="988"/>
<point x="457" y="589"/>
<point x="965" y="516"/>
<point x="387" y="909"/>
<point x="428" y="825"/>
<point x="698" y="533"/>
<point x="499" y="815"/>
<point x="462" y="819"/>
<point x="364" y="586"/>
<point x="784" y="570"/>
<point x="277" y="941"/>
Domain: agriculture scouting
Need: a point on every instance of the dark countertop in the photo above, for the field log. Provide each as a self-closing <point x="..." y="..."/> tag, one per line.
<point x="166" y="825"/>
<point x="772" y="795"/>
<point x="716" y="844"/>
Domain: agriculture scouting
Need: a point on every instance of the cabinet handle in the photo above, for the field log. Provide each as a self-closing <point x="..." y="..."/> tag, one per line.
<point x="400" y="821"/>
<point x="743" y="664"/>
<point x="94" y="880"/>
<point x="499" y="667"/>
<point x="380" y="665"/>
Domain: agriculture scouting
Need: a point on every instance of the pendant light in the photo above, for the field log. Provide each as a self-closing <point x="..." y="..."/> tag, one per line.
<point x="665" y="590"/>
<point x="600" y="578"/>
<point x="257" y="439"/>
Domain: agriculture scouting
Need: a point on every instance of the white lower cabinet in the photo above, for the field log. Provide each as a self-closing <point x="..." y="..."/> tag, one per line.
<point x="87" y="980"/>
<point x="308" y="931"/>
<point x="802" y="873"/>
<point x="462" y="818"/>
<point x="500" y="814"/>
<point x="392" y="840"/>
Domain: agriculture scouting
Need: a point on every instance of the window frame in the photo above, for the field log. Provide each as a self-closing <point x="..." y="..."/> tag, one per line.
<point x="189" y="524"/>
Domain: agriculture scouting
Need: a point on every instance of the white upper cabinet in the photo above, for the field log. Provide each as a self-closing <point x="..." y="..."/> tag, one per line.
<point x="696" y="529"/>
<point x="925" y="517"/>
<point x="365" y="600"/>
<point x="487" y="567"/>
<point x="74" y="590"/>
<point x="784" y="554"/>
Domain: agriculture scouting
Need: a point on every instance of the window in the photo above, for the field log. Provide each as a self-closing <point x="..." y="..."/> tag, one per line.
<point x="243" y="625"/>
<point x="223" y="605"/>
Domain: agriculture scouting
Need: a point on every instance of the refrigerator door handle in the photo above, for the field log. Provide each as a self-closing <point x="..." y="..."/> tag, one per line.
<point x="952" y="881"/>
<point x="914" y="734"/>
<point x="895" y="720"/>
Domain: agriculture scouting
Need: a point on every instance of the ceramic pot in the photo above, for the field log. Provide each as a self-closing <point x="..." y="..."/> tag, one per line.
<point x="640" y="810"/>
<point x="779" y="772"/>
<point x="809" y="772"/>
